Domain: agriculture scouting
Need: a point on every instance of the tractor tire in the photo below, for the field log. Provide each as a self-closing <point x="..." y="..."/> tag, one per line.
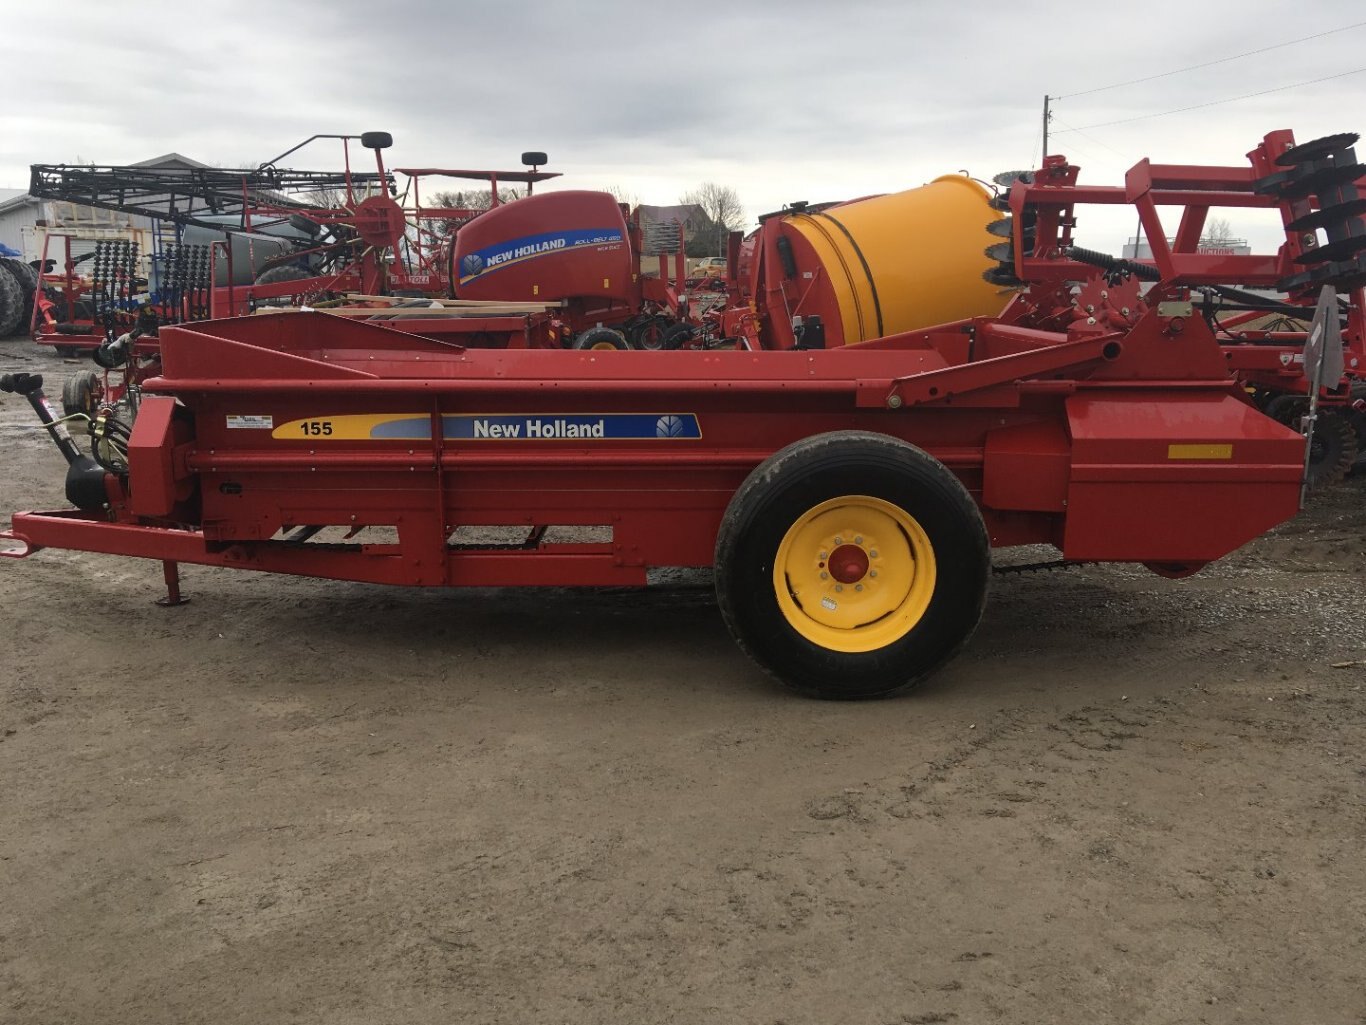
<point x="275" y="275"/>
<point x="82" y="393"/>
<point x="601" y="338"/>
<point x="649" y="333"/>
<point x="1335" y="446"/>
<point x="27" y="279"/>
<point x="677" y="336"/>
<point x="285" y="272"/>
<point x="11" y="305"/>
<point x="851" y="565"/>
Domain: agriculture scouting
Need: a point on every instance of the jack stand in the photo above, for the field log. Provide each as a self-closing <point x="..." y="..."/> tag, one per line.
<point x="171" y="571"/>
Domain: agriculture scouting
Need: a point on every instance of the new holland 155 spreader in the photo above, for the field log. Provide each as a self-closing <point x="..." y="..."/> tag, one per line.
<point x="848" y="498"/>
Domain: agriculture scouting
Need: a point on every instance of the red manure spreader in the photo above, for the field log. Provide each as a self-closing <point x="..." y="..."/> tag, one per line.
<point x="847" y="497"/>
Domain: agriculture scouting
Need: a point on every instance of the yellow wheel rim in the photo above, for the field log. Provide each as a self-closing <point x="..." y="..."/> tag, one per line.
<point x="854" y="574"/>
<point x="599" y="346"/>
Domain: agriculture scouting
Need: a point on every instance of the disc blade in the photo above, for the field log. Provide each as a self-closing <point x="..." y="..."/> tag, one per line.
<point x="1329" y="215"/>
<point x="1004" y="228"/>
<point x="1008" y="178"/>
<point x="1343" y="249"/>
<point x="1004" y="252"/>
<point x="1324" y="178"/>
<point x="1317" y="148"/>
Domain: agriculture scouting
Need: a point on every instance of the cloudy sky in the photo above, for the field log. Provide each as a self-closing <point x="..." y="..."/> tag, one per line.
<point x="782" y="99"/>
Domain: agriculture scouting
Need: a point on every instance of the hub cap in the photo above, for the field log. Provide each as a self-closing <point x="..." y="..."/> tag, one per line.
<point x="854" y="574"/>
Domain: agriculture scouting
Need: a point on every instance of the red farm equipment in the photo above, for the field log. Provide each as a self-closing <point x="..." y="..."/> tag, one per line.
<point x="352" y="242"/>
<point x="847" y="497"/>
<point x="245" y="239"/>
<point x="1318" y="188"/>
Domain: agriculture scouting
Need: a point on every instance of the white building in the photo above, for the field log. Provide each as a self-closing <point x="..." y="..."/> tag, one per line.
<point x="1136" y="250"/>
<point x="26" y="222"/>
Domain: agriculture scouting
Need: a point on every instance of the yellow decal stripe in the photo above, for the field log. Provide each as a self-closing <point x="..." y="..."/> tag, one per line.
<point x="350" y="427"/>
<point x="1199" y="451"/>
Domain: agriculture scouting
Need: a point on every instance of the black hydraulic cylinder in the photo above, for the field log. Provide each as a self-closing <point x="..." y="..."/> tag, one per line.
<point x="84" y="476"/>
<point x="30" y="386"/>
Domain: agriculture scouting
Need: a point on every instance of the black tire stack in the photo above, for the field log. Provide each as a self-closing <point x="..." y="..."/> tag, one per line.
<point x="18" y="283"/>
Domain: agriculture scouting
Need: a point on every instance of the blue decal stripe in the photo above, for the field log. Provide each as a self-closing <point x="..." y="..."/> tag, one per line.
<point x="511" y="251"/>
<point x="572" y="427"/>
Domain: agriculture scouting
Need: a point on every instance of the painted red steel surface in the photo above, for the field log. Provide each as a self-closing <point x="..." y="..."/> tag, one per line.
<point x="1061" y="440"/>
<point x="523" y="236"/>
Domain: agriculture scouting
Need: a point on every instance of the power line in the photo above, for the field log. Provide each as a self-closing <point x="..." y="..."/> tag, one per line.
<point x="1215" y="103"/>
<point x="1092" y="138"/>
<point x="1210" y="64"/>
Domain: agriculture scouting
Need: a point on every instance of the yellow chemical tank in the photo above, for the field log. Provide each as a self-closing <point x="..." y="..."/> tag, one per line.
<point x="906" y="260"/>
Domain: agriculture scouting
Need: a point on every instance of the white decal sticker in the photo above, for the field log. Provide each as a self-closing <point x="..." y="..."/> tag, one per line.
<point x="251" y="423"/>
<point x="829" y="604"/>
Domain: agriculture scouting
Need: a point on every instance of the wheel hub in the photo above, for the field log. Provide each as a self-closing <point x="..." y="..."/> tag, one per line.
<point x="848" y="564"/>
<point x="854" y="573"/>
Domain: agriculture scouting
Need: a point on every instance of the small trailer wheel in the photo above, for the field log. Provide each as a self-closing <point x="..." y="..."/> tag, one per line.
<point x="676" y="336"/>
<point x="82" y="393"/>
<point x="851" y="565"/>
<point x="1333" y="451"/>
<point x="649" y="333"/>
<point x="600" y="338"/>
<point x="1334" y="448"/>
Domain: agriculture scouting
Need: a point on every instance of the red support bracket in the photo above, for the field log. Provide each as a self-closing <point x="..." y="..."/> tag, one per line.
<point x="17" y="553"/>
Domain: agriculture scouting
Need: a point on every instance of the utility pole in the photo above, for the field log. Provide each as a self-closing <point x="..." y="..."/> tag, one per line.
<point x="1046" y="98"/>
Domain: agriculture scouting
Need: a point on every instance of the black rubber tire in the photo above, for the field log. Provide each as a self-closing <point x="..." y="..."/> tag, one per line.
<point x="833" y="465"/>
<point x="305" y="225"/>
<point x="284" y="272"/>
<point x="649" y="333"/>
<point x="1334" y="449"/>
<point x="1335" y="446"/>
<point x="81" y="393"/>
<point x="601" y="338"/>
<point x="11" y="305"/>
<point x="676" y="336"/>
<point x="376" y="140"/>
<point x="275" y="275"/>
<point x="27" y="279"/>
<point x="1358" y="420"/>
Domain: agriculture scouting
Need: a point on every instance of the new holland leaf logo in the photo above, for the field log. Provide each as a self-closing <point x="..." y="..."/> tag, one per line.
<point x="669" y="426"/>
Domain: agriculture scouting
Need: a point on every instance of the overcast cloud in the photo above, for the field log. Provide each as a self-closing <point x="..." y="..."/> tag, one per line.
<point x="783" y="100"/>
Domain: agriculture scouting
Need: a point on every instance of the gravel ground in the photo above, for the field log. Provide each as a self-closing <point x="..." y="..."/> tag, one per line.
<point x="1131" y="800"/>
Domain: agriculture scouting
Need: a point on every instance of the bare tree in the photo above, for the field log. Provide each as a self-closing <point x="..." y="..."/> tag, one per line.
<point x="477" y="200"/>
<point x="622" y="195"/>
<point x="1217" y="230"/>
<point x="724" y="213"/>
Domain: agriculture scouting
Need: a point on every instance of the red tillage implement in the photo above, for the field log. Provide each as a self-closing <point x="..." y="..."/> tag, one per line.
<point x="848" y="498"/>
